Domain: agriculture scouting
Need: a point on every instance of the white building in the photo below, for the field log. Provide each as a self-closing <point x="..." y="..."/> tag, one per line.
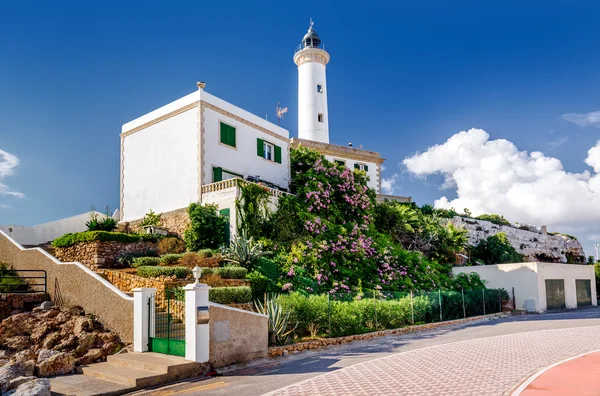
<point x="168" y="154"/>
<point x="541" y="286"/>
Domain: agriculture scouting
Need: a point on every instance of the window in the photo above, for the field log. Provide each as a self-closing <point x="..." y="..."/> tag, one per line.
<point x="340" y="162"/>
<point x="219" y="174"/>
<point x="320" y="117"/>
<point x="361" y="167"/>
<point x="227" y="136"/>
<point x="319" y="88"/>
<point x="268" y="151"/>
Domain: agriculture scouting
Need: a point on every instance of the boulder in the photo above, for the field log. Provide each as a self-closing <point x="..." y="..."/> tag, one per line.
<point x="60" y="319"/>
<point x="17" y="343"/>
<point x="15" y="383"/>
<point x="68" y="343"/>
<point x="24" y="356"/>
<point x="10" y="371"/>
<point x="51" y="340"/>
<point x="87" y="340"/>
<point x="34" y="387"/>
<point x="92" y="356"/>
<point x="46" y="305"/>
<point x="51" y="363"/>
<point x="39" y="333"/>
<point x="83" y="324"/>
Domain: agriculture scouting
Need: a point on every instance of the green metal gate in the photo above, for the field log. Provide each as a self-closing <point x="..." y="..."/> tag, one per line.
<point x="584" y="292"/>
<point x="555" y="294"/>
<point x="166" y="327"/>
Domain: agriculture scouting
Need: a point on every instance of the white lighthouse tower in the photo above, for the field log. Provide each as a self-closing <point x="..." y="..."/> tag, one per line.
<point x="311" y="58"/>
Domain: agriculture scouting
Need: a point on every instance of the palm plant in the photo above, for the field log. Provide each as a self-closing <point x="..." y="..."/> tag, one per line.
<point x="279" y="320"/>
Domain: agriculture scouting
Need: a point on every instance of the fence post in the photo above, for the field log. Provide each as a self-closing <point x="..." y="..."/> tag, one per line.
<point x="483" y="297"/>
<point x="500" y="301"/>
<point x="141" y="317"/>
<point x="375" y="302"/>
<point x="329" y="312"/>
<point x="462" y="292"/>
<point x="412" y="308"/>
<point x="197" y="331"/>
<point x="440" y="298"/>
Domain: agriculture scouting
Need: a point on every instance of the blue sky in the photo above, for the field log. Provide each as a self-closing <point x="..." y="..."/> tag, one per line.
<point x="403" y="76"/>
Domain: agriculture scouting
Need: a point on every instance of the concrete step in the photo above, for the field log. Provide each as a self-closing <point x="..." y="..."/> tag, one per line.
<point x="125" y="376"/>
<point x="82" y="385"/>
<point x="155" y="362"/>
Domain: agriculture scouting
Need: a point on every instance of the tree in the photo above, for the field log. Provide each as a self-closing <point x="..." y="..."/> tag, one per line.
<point x="206" y="229"/>
<point x="496" y="249"/>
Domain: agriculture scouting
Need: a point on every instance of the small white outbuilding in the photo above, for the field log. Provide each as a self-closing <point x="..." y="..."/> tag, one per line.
<point x="539" y="287"/>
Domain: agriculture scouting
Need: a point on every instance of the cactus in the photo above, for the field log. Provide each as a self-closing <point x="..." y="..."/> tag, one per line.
<point x="279" y="326"/>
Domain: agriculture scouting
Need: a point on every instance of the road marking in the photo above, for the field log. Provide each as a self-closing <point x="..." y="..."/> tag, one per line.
<point x="313" y="361"/>
<point x="201" y="387"/>
<point x="267" y="372"/>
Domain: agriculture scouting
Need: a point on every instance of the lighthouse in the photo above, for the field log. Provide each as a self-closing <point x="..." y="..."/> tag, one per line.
<point x="311" y="58"/>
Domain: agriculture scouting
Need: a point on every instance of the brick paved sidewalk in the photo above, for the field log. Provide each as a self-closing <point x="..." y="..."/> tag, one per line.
<point x="487" y="366"/>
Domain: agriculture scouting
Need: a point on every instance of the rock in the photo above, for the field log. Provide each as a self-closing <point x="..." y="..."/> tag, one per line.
<point x="76" y="311"/>
<point x="92" y="356"/>
<point x="39" y="333"/>
<point x="86" y="340"/>
<point x="83" y="324"/>
<point x="51" y="340"/>
<point x="17" y="343"/>
<point x="60" y="318"/>
<point x="110" y="348"/>
<point x="24" y="356"/>
<point x="108" y="337"/>
<point x="35" y="387"/>
<point x="51" y="363"/>
<point x="15" y="383"/>
<point x="46" y="305"/>
<point x="10" y="371"/>
<point x="65" y="344"/>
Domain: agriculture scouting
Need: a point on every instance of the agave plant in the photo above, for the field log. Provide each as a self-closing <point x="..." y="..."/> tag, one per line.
<point x="243" y="251"/>
<point x="279" y="320"/>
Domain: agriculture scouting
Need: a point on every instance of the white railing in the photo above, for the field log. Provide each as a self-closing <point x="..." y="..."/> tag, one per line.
<point x="230" y="183"/>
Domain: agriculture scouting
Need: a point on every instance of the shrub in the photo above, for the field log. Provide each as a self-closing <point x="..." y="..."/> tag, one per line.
<point x="8" y="285"/>
<point x="205" y="253"/>
<point x="145" y="261"/>
<point x="171" y="245"/>
<point x="207" y="228"/>
<point x="90" y="236"/>
<point x="154" y="272"/>
<point x="232" y="272"/>
<point x="106" y="223"/>
<point x="243" y="251"/>
<point x="170" y="258"/>
<point x="150" y="218"/>
<point x="494" y="218"/>
<point x="230" y="295"/>
<point x="126" y="259"/>
<point x="191" y="259"/>
<point x="496" y="249"/>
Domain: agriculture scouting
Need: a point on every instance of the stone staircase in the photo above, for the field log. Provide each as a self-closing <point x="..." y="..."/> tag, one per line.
<point x="126" y="372"/>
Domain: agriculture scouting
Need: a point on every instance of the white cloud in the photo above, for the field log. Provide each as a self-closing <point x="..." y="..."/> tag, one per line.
<point x="584" y="119"/>
<point x="387" y="185"/>
<point x="494" y="176"/>
<point x="557" y="142"/>
<point x="8" y="165"/>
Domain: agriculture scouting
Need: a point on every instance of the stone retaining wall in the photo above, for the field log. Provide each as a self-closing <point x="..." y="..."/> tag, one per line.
<point x="11" y="303"/>
<point x="127" y="282"/>
<point x="175" y="221"/>
<point x="101" y="254"/>
<point x="323" y="342"/>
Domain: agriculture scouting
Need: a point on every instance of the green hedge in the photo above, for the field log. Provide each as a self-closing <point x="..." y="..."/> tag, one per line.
<point x="126" y="259"/>
<point x="153" y="272"/>
<point x="145" y="261"/>
<point x="90" y="236"/>
<point x="227" y="272"/>
<point x="170" y="258"/>
<point x="230" y="295"/>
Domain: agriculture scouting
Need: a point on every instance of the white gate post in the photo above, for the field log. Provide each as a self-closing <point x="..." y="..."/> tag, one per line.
<point x="197" y="331"/>
<point x="141" y="317"/>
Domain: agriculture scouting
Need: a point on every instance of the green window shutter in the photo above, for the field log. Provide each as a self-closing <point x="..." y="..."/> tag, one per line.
<point x="227" y="231"/>
<point x="260" y="144"/>
<point x="342" y="163"/>
<point x="366" y="168"/>
<point x="356" y="166"/>
<point x="232" y="136"/>
<point x="224" y="134"/>
<point x="217" y="174"/>
<point x="278" y="154"/>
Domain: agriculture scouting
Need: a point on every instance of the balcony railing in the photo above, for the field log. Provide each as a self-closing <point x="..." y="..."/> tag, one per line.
<point x="230" y="183"/>
<point x="302" y="46"/>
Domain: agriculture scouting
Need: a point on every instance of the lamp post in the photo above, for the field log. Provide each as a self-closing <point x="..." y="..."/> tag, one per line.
<point x="197" y="272"/>
<point x="596" y="247"/>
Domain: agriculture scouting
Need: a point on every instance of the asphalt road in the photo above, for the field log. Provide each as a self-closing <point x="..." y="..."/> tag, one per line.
<point x="285" y="371"/>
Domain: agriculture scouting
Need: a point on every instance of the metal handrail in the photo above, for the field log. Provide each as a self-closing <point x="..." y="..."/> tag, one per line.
<point x="302" y="46"/>
<point x="16" y="289"/>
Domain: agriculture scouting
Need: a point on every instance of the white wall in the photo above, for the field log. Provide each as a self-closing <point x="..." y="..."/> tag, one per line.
<point x="46" y="232"/>
<point x="160" y="166"/>
<point x="372" y="172"/>
<point x="311" y="102"/>
<point x="242" y="159"/>
<point x="568" y="272"/>
<point x="522" y="276"/>
<point x="224" y="199"/>
<point x="528" y="279"/>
